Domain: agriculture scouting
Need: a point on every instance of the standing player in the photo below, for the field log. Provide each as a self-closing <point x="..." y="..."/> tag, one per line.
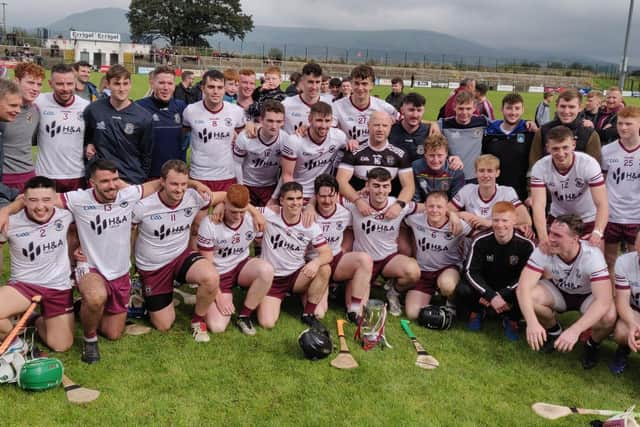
<point x="213" y="124"/>
<point x="492" y="269"/>
<point x="620" y="161"/>
<point x="297" y="107"/>
<point x="510" y="141"/>
<point x="575" y="183"/>
<point x="17" y="136"/>
<point x="226" y="246"/>
<point x="37" y="239"/>
<point x="285" y="242"/>
<point x="163" y="221"/>
<point x="305" y="157"/>
<point x="61" y="132"/>
<point x="577" y="280"/>
<point x="166" y="113"/>
<point x="257" y="160"/>
<point x="438" y="253"/>
<point x="119" y="130"/>
<point x="376" y="235"/>
<point x="352" y="267"/>
<point x="353" y="112"/>
<point x="410" y="132"/>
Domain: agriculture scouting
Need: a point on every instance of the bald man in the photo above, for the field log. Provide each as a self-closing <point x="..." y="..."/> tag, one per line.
<point x="376" y="152"/>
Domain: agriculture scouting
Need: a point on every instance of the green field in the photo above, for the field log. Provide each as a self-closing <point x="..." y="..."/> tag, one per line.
<point x="168" y="379"/>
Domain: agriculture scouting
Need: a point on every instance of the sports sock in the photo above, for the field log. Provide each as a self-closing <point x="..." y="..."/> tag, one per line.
<point x="92" y="338"/>
<point x="196" y="318"/>
<point x="592" y="343"/>
<point x="355" y="304"/>
<point x="554" y="330"/>
<point x="309" y="308"/>
<point x="246" y="311"/>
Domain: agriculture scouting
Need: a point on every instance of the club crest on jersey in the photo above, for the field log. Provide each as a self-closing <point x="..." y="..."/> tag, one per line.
<point x="419" y="149"/>
<point x="228" y="122"/>
<point x="249" y="235"/>
<point x="176" y="118"/>
<point x="58" y="225"/>
<point x="513" y="260"/>
<point x="448" y="235"/>
<point x="188" y="212"/>
<point x="339" y="226"/>
<point x="129" y="128"/>
<point x="520" y="138"/>
<point x="101" y="126"/>
<point x="579" y="182"/>
<point x="155" y="117"/>
<point x="490" y="258"/>
<point x="477" y="133"/>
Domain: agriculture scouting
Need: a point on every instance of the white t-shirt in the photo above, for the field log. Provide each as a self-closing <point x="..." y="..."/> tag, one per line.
<point x="230" y="246"/>
<point x="164" y="231"/>
<point x="60" y="138"/>
<point x="39" y="252"/>
<point x="570" y="191"/>
<point x="469" y="199"/>
<point x="576" y="276"/>
<point x="212" y="133"/>
<point x="284" y="245"/>
<point x="628" y="276"/>
<point x="104" y="229"/>
<point x="623" y="182"/>
<point x="374" y="234"/>
<point x="436" y="247"/>
<point x="313" y="158"/>
<point x="355" y="121"/>
<point x="260" y="161"/>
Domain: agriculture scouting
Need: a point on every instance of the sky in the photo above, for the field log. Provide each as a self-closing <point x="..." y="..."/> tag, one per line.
<point x="579" y="25"/>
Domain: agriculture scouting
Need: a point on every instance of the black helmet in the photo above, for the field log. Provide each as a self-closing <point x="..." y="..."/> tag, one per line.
<point x="315" y="345"/>
<point x="435" y="317"/>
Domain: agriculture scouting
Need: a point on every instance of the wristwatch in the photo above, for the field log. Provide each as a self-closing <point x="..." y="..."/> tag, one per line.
<point x="401" y="203"/>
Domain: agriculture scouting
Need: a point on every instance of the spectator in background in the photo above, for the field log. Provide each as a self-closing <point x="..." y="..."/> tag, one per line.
<point x="294" y="79"/>
<point x="448" y="110"/>
<point x="84" y="88"/>
<point x="17" y="136"/>
<point x="543" y="110"/>
<point x="592" y="105"/>
<point x="270" y="90"/>
<point x="247" y="86"/>
<point x="345" y="88"/>
<point x="325" y="93"/>
<point x="607" y="117"/>
<point x="483" y="105"/>
<point x="396" y="96"/>
<point x="103" y="88"/>
<point x="334" y="88"/>
<point x="184" y="91"/>
<point x="231" y="84"/>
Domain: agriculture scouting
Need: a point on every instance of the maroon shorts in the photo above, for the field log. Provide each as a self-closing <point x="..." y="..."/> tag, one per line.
<point x="71" y="184"/>
<point x="334" y="262"/>
<point x="222" y="185"/>
<point x="283" y="285"/>
<point x="260" y="196"/>
<point x="428" y="282"/>
<point x="160" y="281"/>
<point x="378" y="266"/>
<point x="17" y="180"/>
<point x="229" y="279"/>
<point x="574" y="301"/>
<point x="587" y="227"/>
<point x="118" y="292"/>
<point x="54" y="302"/>
<point x="616" y="233"/>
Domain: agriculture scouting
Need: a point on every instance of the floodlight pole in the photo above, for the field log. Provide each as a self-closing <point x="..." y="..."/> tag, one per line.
<point x="4" y="21"/>
<point x="623" y="66"/>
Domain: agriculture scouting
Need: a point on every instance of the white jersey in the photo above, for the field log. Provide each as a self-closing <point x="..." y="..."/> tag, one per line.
<point x="374" y="234"/>
<point x="60" y="137"/>
<point x="355" y="121"/>
<point x="296" y="113"/>
<point x="575" y="276"/>
<point x="622" y="168"/>
<point x="570" y="191"/>
<point x="164" y="231"/>
<point x="436" y="247"/>
<point x="230" y="246"/>
<point x="628" y="276"/>
<point x="469" y="199"/>
<point x="104" y="229"/>
<point x="326" y="98"/>
<point x="313" y="158"/>
<point x="284" y="245"/>
<point x="39" y="252"/>
<point x="333" y="227"/>
<point x="212" y="133"/>
<point x="260" y="161"/>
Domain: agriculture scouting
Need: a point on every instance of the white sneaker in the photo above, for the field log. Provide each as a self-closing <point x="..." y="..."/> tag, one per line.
<point x="199" y="332"/>
<point x="393" y="298"/>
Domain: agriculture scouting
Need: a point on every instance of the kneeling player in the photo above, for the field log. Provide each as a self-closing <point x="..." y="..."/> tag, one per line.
<point x="627" y="298"/>
<point x="438" y="252"/>
<point x="351" y="267"/>
<point x="37" y="239"/>
<point x="226" y="245"/>
<point x="579" y="280"/>
<point x="284" y="245"/>
<point x="162" y="252"/>
<point x="493" y="267"/>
